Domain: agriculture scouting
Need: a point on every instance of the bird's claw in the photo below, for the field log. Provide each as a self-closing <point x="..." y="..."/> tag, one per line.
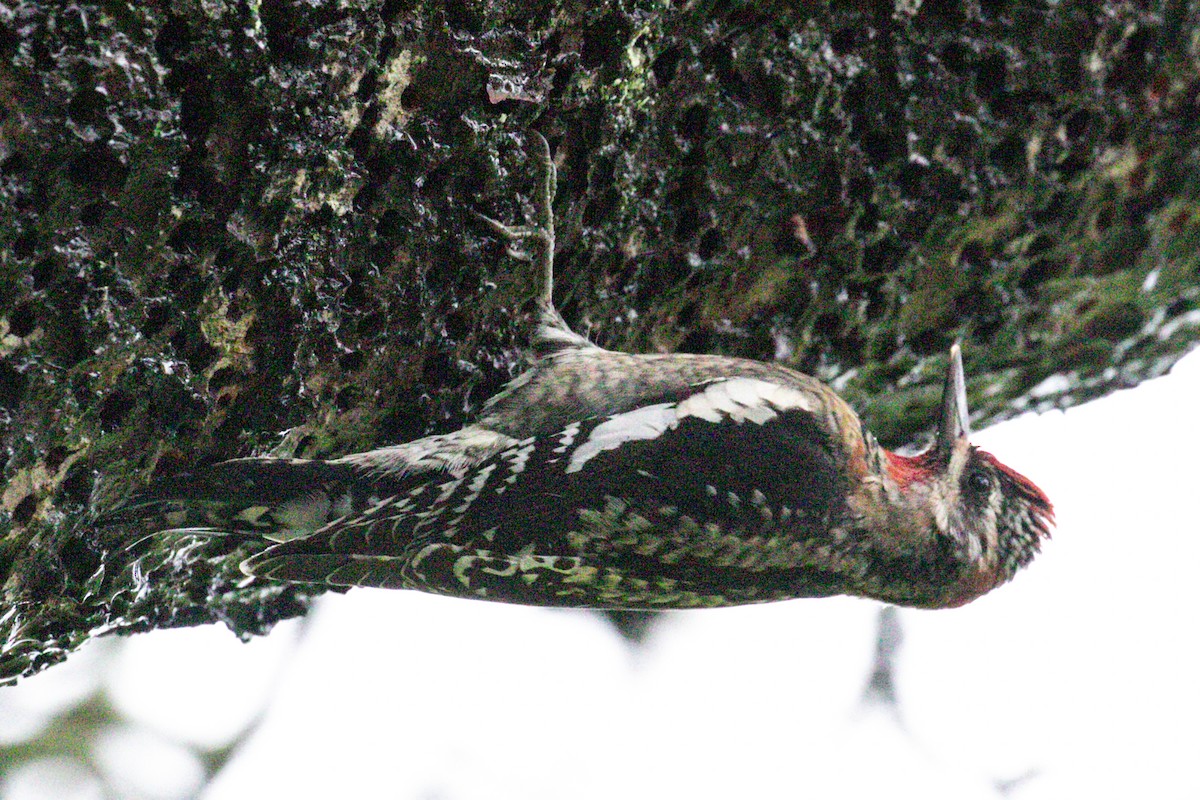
<point x="515" y="232"/>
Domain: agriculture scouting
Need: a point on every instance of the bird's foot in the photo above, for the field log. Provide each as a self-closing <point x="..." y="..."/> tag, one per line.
<point x="541" y="231"/>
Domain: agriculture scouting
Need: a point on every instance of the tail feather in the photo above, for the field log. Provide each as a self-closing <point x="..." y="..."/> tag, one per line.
<point x="327" y="568"/>
<point x="279" y="499"/>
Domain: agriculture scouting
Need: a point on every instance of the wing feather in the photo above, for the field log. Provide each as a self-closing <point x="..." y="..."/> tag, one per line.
<point x="708" y="497"/>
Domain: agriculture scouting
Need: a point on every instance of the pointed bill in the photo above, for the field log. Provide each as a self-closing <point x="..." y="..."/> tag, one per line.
<point x="955" y="422"/>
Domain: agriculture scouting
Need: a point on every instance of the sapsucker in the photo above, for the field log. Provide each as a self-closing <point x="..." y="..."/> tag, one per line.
<point x="614" y="480"/>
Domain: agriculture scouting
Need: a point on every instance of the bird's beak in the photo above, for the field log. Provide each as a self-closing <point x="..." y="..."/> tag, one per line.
<point x="955" y="422"/>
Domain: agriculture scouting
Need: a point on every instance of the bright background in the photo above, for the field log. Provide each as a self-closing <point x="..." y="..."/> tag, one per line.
<point x="1079" y="679"/>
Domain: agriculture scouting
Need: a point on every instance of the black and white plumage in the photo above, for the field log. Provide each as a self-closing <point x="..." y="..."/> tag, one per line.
<point x="614" y="480"/>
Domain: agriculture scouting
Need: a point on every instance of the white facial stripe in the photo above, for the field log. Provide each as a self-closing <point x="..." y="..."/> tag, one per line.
<point x="946" y="490"/>
<point x="737" y="399"/>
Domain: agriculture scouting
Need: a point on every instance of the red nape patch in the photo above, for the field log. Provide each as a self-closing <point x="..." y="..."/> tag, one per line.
<point x="1028" y="490"/>
<point x="906" y="469"/>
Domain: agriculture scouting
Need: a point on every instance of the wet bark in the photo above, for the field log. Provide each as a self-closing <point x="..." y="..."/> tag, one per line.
<point x="229" y="229"/>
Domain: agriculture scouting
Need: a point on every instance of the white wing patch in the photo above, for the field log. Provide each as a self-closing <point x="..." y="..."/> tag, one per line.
<point x="647" y="422"/>
<point x="736" y="399"/>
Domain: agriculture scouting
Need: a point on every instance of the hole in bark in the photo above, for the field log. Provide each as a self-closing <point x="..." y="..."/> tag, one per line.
<point x="12" y="386"/>
<point x="115" y="408"/>
<point x="22" y="320"/>
<point x="23" y="512"/>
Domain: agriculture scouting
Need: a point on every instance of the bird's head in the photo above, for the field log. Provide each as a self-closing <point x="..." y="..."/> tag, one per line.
<point x="992" y="518"/>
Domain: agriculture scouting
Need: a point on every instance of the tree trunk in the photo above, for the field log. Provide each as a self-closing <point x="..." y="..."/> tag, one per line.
<point x="241" y="228"/>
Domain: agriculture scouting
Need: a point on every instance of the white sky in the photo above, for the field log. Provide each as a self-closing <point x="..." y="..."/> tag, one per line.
<point x="1079" y="679"/>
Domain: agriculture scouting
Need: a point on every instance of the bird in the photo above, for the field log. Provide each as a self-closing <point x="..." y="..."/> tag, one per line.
<point x="612" y="480"/>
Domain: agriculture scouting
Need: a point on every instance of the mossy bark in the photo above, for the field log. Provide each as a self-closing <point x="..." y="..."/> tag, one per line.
<point x="235" y="228"/>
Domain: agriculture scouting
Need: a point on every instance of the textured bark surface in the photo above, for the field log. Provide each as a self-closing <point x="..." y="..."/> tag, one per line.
<point x="231" y="228"/>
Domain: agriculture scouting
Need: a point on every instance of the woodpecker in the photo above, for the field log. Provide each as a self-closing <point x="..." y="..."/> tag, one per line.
<point x="604" y="479"/>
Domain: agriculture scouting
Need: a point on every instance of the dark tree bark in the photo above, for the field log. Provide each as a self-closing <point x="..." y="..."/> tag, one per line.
<point x="222" y="221"/>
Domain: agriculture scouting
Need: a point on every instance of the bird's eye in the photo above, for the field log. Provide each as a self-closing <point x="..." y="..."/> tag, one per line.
<point x="979" y="482"/>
